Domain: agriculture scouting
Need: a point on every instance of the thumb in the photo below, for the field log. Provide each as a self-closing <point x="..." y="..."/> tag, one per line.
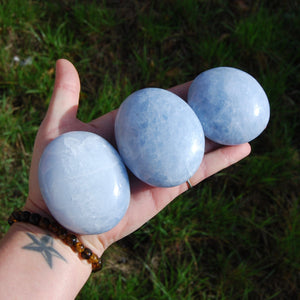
<point x="60" y="117"/>
<point x="65" y="98"/>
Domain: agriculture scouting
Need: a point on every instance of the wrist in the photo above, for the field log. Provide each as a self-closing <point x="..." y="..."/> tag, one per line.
<point x="53" y="250"/>
<point x="35" y="262"/>
<point x="89" y="255"/>
<point x="91" y="241"/>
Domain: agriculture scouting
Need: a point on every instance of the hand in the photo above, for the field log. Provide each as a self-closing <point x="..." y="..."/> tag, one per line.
<point x="146" y="201"/>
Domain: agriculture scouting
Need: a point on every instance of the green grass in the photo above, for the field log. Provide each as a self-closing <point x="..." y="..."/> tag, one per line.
<point x="237" y="234"/>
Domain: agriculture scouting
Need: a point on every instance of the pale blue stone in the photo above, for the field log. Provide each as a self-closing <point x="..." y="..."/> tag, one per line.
<point x="84" y="182"/>
<point x="159" y="137"/>
<point x="230" y="104"/>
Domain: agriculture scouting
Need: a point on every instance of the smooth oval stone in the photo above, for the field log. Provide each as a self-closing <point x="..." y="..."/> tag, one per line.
<point x="84" y="182"/>
<point x="230" y="104"/>
<point x="159" y="137"/>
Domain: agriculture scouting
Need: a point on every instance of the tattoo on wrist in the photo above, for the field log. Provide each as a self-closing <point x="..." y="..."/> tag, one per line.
<point x="44" y="246"/>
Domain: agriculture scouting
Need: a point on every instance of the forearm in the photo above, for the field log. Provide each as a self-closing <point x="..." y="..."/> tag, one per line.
<point x="35" y="264"/>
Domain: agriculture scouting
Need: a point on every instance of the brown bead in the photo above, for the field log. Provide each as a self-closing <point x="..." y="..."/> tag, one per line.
<point x="34" y="219"/>
<point x="97" y="266"/>
<point x="44" y="223"/>
<point x="93" y="259"/>
<point x="53" y="226"/>
<point x="86" y="254"/>
<point x="17" y="215"/>
<point x="62" y="233"/>
<point x="79" y="247"/>
<point x="25" y="215"/>
<point x="71" y="239"/>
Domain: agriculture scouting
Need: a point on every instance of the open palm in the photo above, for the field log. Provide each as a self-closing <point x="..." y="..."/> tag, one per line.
<point x="146" y="201"/>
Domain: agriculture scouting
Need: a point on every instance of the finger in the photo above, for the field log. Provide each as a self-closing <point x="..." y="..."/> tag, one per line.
<point x="212" y="163"/>
<point x="210" y="145"/>
<point x="181" y="90"/>
<point x="64" y="101"/>
<point x="218" y="160"/>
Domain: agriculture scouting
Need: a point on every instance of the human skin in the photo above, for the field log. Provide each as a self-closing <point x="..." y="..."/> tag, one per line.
<point x="24" y="273"/>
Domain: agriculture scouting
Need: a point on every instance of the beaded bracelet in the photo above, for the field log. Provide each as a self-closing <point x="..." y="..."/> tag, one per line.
<point x="62" y="233"/>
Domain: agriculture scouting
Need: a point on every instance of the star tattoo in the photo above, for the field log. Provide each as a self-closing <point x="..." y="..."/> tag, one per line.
<point x="44" y="245"/>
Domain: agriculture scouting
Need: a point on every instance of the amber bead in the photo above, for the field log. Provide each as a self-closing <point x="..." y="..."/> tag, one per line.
<point x="62" y="233"/>
<point x="97" y="266"/>
<point x="71" y="239"/>
<point x="86" y="254"/>
<point x="79" y="247"/>
<point x="93" y="259"/>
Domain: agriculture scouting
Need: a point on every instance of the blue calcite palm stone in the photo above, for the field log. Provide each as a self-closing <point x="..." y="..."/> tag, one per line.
<point x="84" y="182"/>
<point x="159" y="137"/>
<point x="230" y="104"/>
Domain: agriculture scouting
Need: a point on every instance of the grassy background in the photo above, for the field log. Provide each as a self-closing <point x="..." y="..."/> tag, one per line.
<point x="236" y="235"/>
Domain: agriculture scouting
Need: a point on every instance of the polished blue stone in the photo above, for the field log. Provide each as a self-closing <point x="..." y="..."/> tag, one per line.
<point x="84" y="182"/>
<point x="159" y="137"/>
<point x="230" y="104"/>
